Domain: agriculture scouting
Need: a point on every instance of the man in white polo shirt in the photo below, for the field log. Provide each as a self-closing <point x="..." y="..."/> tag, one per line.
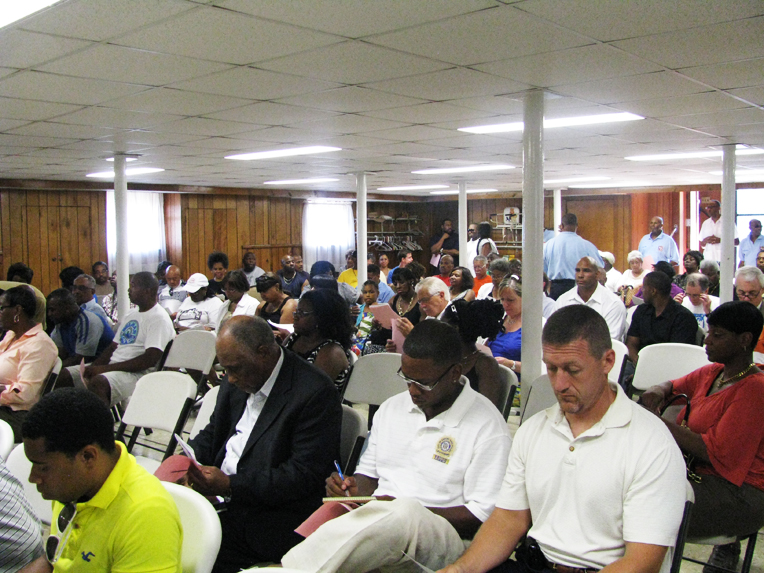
<point x="436" y="455"/>
<point x="591" y="293"/>
<point x="592" y="482"/>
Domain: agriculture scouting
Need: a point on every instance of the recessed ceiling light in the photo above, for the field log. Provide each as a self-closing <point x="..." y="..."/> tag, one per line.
<point x="575" y="180"/>
<point x="13" y="11"/>
<point x="128" y="172"/>
<point x="127" y="159"/>
<point x="310" y="150"/>
<point x="552" y="123"/>
<point x="300" y="181"/>
<point x="740" y="150"/>
<point x="468" y="191"/>
<point x="413" y="188"/>
<point x="443" y="170"/>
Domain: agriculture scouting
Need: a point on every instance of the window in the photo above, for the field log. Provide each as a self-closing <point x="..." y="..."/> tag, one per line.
<point x="328" y="232"/>
<point x="750" y="205"/>
<point x="145" y="232"/>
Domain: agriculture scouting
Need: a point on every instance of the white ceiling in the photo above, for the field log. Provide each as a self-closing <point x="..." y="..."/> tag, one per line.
<point x="184" y="83"/>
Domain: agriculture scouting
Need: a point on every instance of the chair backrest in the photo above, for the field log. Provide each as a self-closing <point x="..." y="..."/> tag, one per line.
<point x="353" y="435"/>
<point x="621" y="352"/>
<point x="541" y="396"/>
<point x="205" y="412"/>
<point x="50" y="381"/>
<point x="18" y="464"/>
<point x="192" y="350"/>
<point x="374" y="379"/>
<point x="666" y="361"/>
<point x="675" y="553"/>
<point x="6" y="439"/>
<point x="508" y="380"/>
<point x="201" y="529"/>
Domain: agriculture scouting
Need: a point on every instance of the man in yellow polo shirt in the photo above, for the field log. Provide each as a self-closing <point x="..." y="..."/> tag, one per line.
<point x="109" y="514"/>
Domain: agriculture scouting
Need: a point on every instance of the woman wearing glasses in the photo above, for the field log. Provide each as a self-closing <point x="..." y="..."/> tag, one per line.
<point x="323" y="333"/>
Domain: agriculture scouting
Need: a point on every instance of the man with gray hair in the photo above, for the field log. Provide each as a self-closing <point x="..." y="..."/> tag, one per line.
<point x="499" y="268"/>
<point x="696" y="299"/>
<point x="563" y="252"/>
<point x="83" y="289"/>
<point x="711" y="270"/>
<point x="749" y="286"/>
<point x="591" y="293"/>
<point x="433" y="295"/>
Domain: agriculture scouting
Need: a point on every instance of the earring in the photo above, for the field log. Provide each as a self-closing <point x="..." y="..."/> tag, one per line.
<point x="16" y="319"/>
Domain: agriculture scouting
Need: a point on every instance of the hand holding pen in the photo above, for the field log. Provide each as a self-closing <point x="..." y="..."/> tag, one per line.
<point x="337" y="485"/>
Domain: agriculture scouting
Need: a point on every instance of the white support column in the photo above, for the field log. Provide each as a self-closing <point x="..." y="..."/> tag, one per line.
<point x="557" y="200"/>
<point x="463" y="223"/>
<point x="123" y="254"/>
<point x="362" y="245"/>
<point x="533" y="231"/>
<point x="728" y="223"/>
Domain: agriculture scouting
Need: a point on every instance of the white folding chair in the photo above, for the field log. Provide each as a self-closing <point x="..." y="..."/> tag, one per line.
<point x="161" y="401"/>
<point x="191" y="350"/>
<point x="621" y="352"/>
<point x="18" y="464"/>
<point x="352" y="438"/>
<point x="666" y="361"/>
<point x="50" y="381"/>
<point x="540" y="397"/>
<point x="374" y="379"/>
<point x="205" y="412"/>
<point x="201" y="529"/>
<point x="509" y="387"/>
<point x="6" y="439"/>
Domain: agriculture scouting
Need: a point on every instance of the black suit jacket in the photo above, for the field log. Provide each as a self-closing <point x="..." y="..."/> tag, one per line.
<point x="281" y="475"/>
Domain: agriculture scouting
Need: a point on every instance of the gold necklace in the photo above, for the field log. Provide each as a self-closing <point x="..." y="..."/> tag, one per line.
<point x="401" y="312"/>
<point x="736" y="377"/>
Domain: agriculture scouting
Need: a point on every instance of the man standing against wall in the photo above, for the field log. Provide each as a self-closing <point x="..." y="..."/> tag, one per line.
<point x="711" y="233"/>
<point x="658" y="245"/>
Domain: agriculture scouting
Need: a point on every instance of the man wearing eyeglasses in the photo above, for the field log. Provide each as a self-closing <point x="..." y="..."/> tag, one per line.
<point x="109" y="514"/>
<point x="435" y="460"/>
<point x="749" y="286"/>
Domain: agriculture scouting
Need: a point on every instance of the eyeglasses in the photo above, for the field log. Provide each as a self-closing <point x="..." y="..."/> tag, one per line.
<point x="425" y="387"/>
<point x="470" y="230"/>
<point x="7" y="306"/>
<point x="55" y="544"/>
<point x="302" y="313"/>
<point x="747" y="294"/>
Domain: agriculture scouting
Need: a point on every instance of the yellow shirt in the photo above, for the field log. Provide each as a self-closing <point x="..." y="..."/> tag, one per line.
<point x="350" y="277"/>
<point x="130" y="525"/>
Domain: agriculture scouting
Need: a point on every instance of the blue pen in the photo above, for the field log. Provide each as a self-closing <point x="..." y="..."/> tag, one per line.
<point x="342" y="476"/>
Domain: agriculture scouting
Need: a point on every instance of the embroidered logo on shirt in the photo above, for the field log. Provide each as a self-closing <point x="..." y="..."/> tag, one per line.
<point x="87" y="556"/>
<point x="444" y="449"/>
<point x="129" y="333"/>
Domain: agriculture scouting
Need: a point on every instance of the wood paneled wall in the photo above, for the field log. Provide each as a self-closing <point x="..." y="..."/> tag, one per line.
<point x="51" y="230"/>
<point x="271" y="226"/>
<point x="605" y="221"/>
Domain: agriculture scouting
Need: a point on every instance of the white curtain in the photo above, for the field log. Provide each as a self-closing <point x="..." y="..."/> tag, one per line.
<point x="145" y="233"/>
<point x="328" y="232"/>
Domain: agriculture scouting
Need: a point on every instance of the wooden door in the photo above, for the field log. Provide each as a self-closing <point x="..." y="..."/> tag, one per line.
<point x="605" y="221"/>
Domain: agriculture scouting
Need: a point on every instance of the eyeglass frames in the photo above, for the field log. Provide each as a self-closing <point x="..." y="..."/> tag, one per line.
<point x="55" y="544"/>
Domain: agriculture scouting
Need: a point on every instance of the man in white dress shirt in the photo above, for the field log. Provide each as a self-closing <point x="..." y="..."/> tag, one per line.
<point x="711" y="233"/>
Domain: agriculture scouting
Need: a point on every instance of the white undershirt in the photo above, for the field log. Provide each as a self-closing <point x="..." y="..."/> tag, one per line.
<point x="236" y="443"/>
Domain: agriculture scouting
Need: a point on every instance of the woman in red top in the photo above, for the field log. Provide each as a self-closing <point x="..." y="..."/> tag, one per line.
<point x="724" y="432"/>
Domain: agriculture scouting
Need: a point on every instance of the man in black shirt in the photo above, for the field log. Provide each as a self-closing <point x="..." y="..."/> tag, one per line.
<point x="446" y="242"/>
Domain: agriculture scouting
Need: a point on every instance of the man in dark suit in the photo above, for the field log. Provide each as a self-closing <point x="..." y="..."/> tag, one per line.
<point x="271" y="441"/>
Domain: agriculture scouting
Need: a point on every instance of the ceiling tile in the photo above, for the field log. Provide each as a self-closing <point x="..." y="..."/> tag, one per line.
<point x="633" y="88"/>
<point x="684" y="105"/>
<point x="495" y="34"/>
<point x="346" y="124"/>
<point x="732" y="117"/>
<point x="355" y="20"/>
<point x="15" y="49"/>
<point x="11" y="108"/>
<point x="134" y="66"/>
<point x="202" y="126"/>
<point x="268" y="113"/>
<point x="251" y="83"/>
<point x="32" y="141"/>
<point x="166" y="100"/>
<point x="63" y="89"/>
<point x="429" y="113"/>
<point x="351" y="100"/>
<point x="101" y="19"/>
<point x="715" y="44"/>
<point x="729" y="74"/>
<point x="606" y="20"/>
<point x="8" y="124"/>
<point x="53" y="129"/>
<point x="752" y="95"/>
<point x="225" y="36"/>
<point x="414" y="133"/>
<point x="116" y="118"/>
<point x="450" y="84"/>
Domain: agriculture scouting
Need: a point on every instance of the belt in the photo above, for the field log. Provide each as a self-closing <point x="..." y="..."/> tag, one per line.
<point x="567" y="569"/>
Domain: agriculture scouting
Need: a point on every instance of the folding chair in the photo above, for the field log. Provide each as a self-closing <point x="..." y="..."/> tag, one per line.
<point x="681" y="537"/>
<point x="192" y="350"/>
<point x="666" y="361"/>
<point x="540" y="397"/>
<point x="205" y="412"/>
<point x="6" y="439"/>
<point x="509" y="388"/>
<point x="18" y="464"/>
<point x="352" y="438"/>
<point x="374" y="379"/>
<point x="161" y="401"/>
<point x="621" y="352"/>
<point x="202" y="532"/>
<point x="50" y="381"/>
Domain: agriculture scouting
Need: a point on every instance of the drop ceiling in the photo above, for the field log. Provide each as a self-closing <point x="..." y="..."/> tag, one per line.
<point x="185" y="83"/>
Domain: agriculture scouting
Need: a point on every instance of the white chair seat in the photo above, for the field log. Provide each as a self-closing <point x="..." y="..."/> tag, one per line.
<point x="374" y="379"/>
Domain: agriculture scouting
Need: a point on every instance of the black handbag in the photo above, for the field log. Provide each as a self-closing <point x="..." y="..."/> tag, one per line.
<point x="689" y="460"/>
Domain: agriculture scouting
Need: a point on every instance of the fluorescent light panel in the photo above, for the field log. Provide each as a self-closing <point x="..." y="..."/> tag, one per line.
<point x="740" y="150"/>
<point x="12" y="11"/>
<point x="310" y="150"/>
<point x="128" y="172"/>
<point x="300" y="181"/>
<point x="552" y="123"/>
<point x="469" y="191"/>
<point x="472" y="169"/>
<point x="413" y="188"/>
<point x="127" y="159"/>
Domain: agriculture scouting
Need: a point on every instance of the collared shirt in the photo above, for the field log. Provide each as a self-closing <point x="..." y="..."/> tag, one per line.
<point x="749" y="250"/>
<point x="606" y="303"/>
<point x="385" y="292"/>
<point x="456" y="458"/>
<point x="563" y="252"/>
<point x="131" y="524"/>
<point x="21" y="538"/>
<point x="87" y="335"/>
<point x="24" y="366"/>
<point x="96" y="308"/>
<point x="614" y="277"/>
<point x="710" y="227"/>
<point x="171" y="298"/>
<point x="660" y="248"/>
<point x="622" y="480"/>
<point x="675" y="324"/>
<point x="236" y="443"/>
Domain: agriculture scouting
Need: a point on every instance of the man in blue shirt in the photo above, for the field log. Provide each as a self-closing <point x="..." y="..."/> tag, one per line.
<point x="563" y="252"/>
<point x="658" y="245"/>
<point x="385" y="292"/>
<point x="78" y="333"/>
<point x="751" y="245"/>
